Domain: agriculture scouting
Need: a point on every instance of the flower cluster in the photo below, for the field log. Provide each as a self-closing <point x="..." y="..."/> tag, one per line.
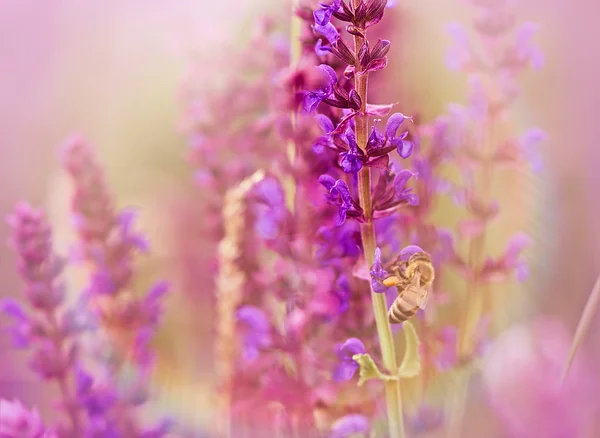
<point x="98" y="404"/>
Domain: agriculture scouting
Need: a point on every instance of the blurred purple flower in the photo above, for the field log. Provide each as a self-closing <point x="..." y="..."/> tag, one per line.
<point x="255" y="331"/>
<point x="348" y="366"/>
<point x="350" y="425"/>
<point x="16" y="421"/>
<point x="270" y="208"/>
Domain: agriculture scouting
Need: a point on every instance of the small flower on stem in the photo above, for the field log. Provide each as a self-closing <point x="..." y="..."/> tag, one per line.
<point x="348" y="366"/>
<point x="378" y="274"/>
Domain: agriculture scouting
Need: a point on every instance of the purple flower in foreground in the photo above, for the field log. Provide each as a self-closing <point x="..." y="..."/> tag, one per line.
<point x="351" y="162"/>
<point x="348" y="366"/>
<point x="329" y="31"/>
<point x="323" y="15"/>
<point x="378" y="274"/>
<point x="256" y="331"/>
<point x="403" y="146"/>
<point x="339" y="194"/>
<point x="350" y="425"/>
<point x="328" y="79"/>
<point x="16" y="421"/>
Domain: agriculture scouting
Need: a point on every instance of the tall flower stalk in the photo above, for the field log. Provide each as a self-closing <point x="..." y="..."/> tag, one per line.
<point x="482" y="146"/>
<point x="367" y="232"/>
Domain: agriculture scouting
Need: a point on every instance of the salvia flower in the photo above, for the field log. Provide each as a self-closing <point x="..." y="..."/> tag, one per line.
<point x="378" y="274"/>
<point x="328" y="79"/>
<point x="339" y="195"/>
<point x="324" y="13"/>
<point x="348" y="367"/>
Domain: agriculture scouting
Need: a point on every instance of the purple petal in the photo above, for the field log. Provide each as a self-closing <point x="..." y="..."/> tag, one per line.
<point x="405" y="148"/>
<point x="253" y="317"/>
<point x="322" y="16"/>
<point x="322" y="50"/>
<point x="330" y="74"/>
<point x="408" y="251"/>
<point x="13" y="309"/>
<point x="393" y="124"/>
<point x="311" y="101"/>
<point x="327" y="181"/>
<point x="401" y="179"/>
<point x="324" y="123"/>
<point x="328" y="31"/>
<point x="351" y="347"/>
<point x="378" y="274"/>
<point x="349" y="425"/>
<point x="345" y="371"/>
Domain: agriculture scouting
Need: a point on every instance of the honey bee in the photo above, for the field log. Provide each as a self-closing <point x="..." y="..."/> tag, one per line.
<point x="413" y="279"/>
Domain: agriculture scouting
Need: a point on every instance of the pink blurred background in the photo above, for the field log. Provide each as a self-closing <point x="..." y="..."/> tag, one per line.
<point x="112" y="70"/>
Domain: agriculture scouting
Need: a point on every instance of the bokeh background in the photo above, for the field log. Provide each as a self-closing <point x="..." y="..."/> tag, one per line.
<point x="114" y="70"/>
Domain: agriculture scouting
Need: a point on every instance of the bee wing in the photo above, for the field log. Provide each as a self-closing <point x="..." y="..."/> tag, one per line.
<point x="423" y="297"/>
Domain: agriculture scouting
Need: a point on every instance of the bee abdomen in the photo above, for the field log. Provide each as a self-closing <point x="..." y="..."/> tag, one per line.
<point x="400" y="311"/>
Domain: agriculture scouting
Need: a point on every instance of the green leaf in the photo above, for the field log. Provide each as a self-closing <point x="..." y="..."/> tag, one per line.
<point x="369" y="370"/>
<point x="411" y="363"/>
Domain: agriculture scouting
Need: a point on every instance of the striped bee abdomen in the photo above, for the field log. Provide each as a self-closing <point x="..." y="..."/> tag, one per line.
<point x="401" y="310"/>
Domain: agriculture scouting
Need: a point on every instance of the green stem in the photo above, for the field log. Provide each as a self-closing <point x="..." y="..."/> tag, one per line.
<point x="367" y="231"/>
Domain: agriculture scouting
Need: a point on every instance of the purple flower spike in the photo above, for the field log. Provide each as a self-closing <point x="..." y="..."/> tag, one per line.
<point x="323" y="15"/>
<point x="351" y="162"/>
<point x="408" y="251"/>
<point x="350" y="425"/>
<point x="378" y="274"/>
<point x="348" y="366"/>
<point x="256" y="331"/>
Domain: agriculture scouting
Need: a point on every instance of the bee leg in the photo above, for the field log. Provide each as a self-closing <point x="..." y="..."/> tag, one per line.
<point x="392" y="281"/>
